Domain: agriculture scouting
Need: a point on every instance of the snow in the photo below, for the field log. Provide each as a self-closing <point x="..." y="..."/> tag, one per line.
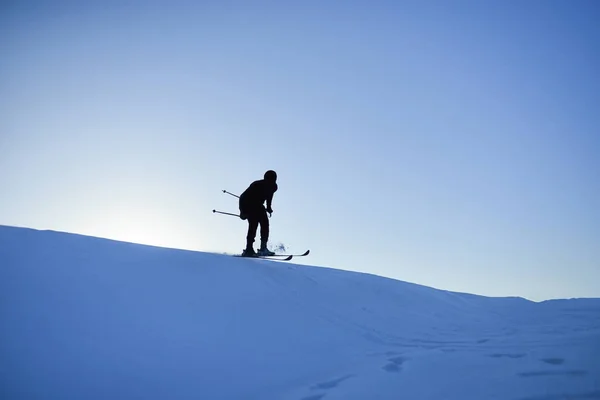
<point x="90" y="318"/>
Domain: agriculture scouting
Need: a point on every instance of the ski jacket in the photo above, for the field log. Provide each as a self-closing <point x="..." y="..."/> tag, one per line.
<point x="257" y="193"/>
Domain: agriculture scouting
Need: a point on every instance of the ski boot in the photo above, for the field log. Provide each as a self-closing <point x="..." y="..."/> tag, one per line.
<point x="249" y="252"/>
<point x="263" y="251"/>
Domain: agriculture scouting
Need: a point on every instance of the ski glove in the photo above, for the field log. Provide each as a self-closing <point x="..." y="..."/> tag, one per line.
<point x="269" y="210"/>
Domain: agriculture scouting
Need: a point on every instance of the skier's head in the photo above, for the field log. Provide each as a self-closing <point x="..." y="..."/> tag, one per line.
<point x="270" y="175"/>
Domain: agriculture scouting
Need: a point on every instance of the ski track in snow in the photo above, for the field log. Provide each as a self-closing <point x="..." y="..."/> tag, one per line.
<point x="91" y="318"/>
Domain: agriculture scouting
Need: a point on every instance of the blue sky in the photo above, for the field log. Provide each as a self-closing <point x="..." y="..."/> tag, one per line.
<point x="452" y="144"/>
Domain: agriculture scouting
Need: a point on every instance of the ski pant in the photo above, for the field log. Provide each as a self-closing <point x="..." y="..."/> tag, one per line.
<point x="257" y="216"/>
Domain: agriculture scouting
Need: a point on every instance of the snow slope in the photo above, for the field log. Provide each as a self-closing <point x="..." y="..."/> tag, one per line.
<point x="89" y="318"/>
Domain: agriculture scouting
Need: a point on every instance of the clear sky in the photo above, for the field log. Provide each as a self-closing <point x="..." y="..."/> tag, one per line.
<point x="454" y="144"/>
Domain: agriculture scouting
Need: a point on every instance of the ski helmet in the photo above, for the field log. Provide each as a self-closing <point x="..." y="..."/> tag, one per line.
<point x="270" y="175"/>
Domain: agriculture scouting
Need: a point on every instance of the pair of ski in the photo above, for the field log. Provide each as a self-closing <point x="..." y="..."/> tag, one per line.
<point x="280" y="257"/>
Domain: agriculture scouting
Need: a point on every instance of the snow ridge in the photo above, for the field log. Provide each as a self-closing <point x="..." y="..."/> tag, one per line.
<point x="92" y="318"/>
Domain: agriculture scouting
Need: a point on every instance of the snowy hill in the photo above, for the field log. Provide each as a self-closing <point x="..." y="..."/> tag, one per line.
<point x="89" y="318"/>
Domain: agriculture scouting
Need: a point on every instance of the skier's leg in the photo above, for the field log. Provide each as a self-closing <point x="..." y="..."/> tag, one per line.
<point x="264" y="226"/>
<point x="253" y="222"/>
<point x="264" y="235"/>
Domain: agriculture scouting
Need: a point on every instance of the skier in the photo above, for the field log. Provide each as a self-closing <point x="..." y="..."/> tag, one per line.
<point x="252" y="208"/>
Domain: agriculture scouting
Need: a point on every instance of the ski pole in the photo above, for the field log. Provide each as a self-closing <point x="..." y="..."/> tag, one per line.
<point x="234" y="195"/>
<point x="226" y="213"/>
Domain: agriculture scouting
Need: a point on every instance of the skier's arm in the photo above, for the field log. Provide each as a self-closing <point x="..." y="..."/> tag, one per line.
<point x="270" y="199"/>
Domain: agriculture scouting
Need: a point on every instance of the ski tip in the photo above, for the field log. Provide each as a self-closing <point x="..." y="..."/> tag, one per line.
<point x="288" y="258"/>
<point x="306" y="253"/>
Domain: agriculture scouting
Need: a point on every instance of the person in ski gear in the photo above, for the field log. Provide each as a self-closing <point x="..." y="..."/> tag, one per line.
<point x="252" y="208"/>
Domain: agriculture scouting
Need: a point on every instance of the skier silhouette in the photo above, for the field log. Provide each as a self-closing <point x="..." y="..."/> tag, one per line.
<point x="252" y="208"/>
